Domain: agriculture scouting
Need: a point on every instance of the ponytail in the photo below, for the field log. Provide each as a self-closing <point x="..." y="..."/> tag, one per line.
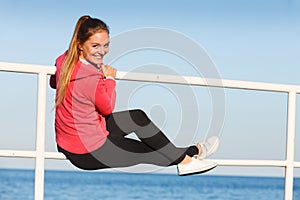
<point x="69" y="63"/>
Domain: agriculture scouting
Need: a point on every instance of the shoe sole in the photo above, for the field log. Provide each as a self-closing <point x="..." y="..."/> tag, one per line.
<point x="193" y="172"/>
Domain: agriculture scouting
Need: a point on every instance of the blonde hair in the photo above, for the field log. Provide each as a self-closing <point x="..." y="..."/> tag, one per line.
<point x="84" y="29"/>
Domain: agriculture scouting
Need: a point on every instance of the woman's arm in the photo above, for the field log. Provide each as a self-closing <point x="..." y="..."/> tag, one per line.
<point x="105" y="96"/>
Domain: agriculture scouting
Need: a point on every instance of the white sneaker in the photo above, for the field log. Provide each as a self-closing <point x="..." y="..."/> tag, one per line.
<point x="196" y="166"/>
<point x="208" y="147"/>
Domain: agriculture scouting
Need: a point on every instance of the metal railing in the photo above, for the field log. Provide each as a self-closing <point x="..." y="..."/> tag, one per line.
<point x="40" y="155"/>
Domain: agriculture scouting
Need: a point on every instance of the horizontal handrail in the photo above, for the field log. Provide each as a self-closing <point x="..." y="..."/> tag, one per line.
<point x="159" y="78"/>
<point x="198" y="81"/>
<point x="26" y="68"/>
<point x="31" y="154"/>
<point x="221" y="162"/>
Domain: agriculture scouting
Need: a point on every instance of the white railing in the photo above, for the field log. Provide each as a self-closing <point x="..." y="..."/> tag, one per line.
<point x="40" y="155"/>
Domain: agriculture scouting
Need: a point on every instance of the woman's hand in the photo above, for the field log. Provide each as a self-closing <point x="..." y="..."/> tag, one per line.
<point x="109" y="71"/>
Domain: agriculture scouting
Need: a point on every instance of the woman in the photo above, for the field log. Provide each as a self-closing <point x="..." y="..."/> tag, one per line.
<point x="89" y="133"/>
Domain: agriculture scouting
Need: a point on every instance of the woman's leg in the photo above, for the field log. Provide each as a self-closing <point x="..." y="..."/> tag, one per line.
<point x="117" y="152"/>
<point x="124" y="152"/>
<point x="122" y="123"/>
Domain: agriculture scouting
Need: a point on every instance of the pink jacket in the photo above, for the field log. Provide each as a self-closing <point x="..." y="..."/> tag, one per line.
<point x="79" y="120"/>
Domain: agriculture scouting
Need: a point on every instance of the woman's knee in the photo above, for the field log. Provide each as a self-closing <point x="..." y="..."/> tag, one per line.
<point x="139" y="117"/>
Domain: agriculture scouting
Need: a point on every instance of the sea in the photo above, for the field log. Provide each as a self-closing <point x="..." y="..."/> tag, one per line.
<point x="16" y="184"/>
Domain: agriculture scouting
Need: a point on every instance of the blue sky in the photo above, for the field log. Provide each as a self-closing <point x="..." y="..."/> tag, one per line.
<point x="246" y="40"/>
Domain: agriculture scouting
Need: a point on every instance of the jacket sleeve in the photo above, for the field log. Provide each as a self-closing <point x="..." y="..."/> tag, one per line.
<point x="105" y="96"/>
<point x="58" y="63"/>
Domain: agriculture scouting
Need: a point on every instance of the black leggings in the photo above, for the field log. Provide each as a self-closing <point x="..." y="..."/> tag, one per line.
<point x="153" y="147"/>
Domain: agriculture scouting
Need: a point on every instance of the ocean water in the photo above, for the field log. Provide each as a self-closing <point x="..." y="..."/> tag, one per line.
<point x="70" y="185"/>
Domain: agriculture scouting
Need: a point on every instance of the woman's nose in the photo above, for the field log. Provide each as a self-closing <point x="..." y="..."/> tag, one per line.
<point x="101" y="50"/>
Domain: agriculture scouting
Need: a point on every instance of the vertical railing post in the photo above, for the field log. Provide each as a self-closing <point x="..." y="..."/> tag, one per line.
<point x="290" y="146"/>
<point x="40" y="137"/>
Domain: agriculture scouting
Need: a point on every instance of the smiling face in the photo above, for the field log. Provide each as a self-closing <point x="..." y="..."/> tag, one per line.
<point x="94" y="49"/>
